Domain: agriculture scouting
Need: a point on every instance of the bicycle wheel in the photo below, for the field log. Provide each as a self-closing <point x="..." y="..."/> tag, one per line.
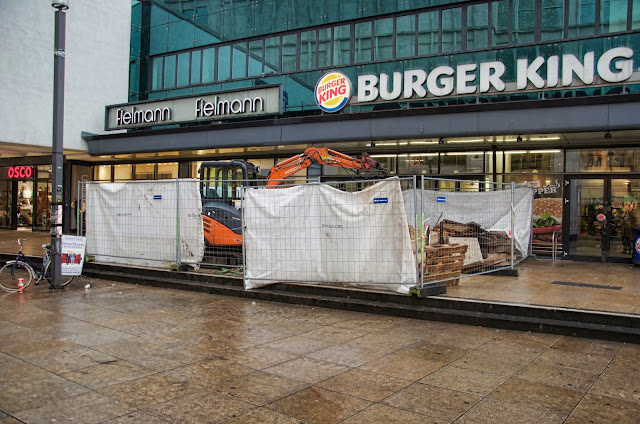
<point x="65" y="280"/>
<point x="12" y="272"/>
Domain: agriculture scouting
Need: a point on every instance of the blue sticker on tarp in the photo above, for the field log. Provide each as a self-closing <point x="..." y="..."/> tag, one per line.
<point x="380" y="200"/>
<point x="441" y="199"/>
<point x="157" y="196"/>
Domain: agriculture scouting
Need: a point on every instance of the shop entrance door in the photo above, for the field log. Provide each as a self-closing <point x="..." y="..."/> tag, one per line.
<point x="602" y="214"/>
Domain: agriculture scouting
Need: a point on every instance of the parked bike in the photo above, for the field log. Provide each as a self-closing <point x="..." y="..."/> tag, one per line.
<point x="22" y="268"/>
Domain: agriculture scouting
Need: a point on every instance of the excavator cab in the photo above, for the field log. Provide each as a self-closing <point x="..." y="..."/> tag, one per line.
<point x="221" y="187"/>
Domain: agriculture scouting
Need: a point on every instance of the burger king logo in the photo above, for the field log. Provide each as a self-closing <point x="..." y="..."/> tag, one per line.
<point x="333" y="91"/>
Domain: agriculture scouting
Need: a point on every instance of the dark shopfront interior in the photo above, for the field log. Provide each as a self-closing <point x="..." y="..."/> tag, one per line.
<point x="25" y="197"/>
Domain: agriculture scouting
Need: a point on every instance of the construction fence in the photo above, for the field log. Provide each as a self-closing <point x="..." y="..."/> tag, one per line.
<point x="389" y="234"/>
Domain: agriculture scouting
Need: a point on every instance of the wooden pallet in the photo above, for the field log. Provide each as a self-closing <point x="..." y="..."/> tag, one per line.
<point x="439" y="250"/>
<point x="452" y="278"/>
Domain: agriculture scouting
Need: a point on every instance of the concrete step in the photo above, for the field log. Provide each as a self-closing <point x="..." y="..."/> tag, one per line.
<point x="563" y="321"/>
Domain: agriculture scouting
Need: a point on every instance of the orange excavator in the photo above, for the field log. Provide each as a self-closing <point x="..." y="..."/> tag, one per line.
<point x="322" y="156"/>
<point x="222" y="184"/>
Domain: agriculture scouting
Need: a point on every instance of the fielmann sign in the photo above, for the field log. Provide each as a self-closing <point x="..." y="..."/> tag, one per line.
<point x="266" y="100"/>
<point x="613" y="66"/>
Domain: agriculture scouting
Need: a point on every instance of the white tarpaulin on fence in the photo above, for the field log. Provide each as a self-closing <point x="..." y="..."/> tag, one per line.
<point x="489" y="209"/>
<point x="146" y="223"/>
<point x="315" y="233"/>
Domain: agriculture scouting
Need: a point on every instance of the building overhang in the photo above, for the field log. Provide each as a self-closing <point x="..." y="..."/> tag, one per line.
<point x="566" y="115"/>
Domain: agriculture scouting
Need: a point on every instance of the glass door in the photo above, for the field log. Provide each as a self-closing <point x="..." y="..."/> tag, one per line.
<point x="25" y="203"/>
<point x="602" y="214"/>
<point x="625" y="216"/>
<point x="43" y="205"/>
<point x="587" y="221"/>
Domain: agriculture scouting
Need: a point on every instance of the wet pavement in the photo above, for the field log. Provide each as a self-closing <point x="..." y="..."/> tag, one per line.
<point x="608" y="287"/>
<point x="122" y="353"/>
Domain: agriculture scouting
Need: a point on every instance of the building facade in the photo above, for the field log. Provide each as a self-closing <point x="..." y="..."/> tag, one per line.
<point x="542" y="92"/>
<point x="97" y="72"/>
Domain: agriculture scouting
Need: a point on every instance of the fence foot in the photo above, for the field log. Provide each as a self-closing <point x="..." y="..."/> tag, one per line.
<point x="428" y="290"/>
<point x="507" y="272"/>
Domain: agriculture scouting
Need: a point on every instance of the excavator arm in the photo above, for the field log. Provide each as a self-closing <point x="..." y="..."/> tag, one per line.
<point x="322" y="156"/>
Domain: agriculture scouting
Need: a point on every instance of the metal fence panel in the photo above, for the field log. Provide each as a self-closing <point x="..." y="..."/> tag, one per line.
<point x="222" y="218"/>
<point x="147" y="223"/>
<point x="344" y="232"/>
<point x="470" y="228"/>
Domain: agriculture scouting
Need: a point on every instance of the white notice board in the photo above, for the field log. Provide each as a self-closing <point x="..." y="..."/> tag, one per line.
<point x="73" y="248"/>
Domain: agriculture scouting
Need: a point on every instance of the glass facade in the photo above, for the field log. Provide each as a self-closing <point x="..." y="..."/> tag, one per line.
<point x="410" y="35"/>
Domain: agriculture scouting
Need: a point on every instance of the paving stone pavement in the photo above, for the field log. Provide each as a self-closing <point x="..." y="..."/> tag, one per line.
<point x="121" y="353"/>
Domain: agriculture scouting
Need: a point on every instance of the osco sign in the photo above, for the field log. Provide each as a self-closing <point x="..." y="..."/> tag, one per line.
<point x="20" y="172"/>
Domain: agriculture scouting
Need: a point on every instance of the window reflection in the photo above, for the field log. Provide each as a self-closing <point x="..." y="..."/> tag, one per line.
<point x="614" y="160"/>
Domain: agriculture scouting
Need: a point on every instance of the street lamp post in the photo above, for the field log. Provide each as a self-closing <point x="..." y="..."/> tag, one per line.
<point x="57" y="152"/>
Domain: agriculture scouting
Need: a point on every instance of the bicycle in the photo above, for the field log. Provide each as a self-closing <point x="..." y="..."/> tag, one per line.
<point x="23" y="268"/>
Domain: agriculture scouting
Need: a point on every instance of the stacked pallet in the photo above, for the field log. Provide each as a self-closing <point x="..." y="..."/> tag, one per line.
<point x="490" y="241"/>
<point x="444" y="262"/>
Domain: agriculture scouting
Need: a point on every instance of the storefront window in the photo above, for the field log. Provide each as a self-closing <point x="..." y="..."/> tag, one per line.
<point x="43" y="205"/>
<point x="5" y="204"/>
<point x="102" y="173"/>
<point x="418" y="164"/>
<point x="25" y="203"/>
<point x="547" y="206"/>
<point x="462" y="163"/>
<point x="144" y="171"/>
<point x="388" y="163"/>
<point x="264" y="166"/>
<point x="615" y="160"/>
<point x="533" y="161"/>
<point x="167" y="170"/>
<point x="122" y="172"/>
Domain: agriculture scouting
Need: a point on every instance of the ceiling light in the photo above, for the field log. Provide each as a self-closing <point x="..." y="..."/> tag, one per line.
<point x="544" y="138"/>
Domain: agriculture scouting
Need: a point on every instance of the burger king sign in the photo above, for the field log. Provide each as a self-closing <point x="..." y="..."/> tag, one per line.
<point x="333" y="92"/>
